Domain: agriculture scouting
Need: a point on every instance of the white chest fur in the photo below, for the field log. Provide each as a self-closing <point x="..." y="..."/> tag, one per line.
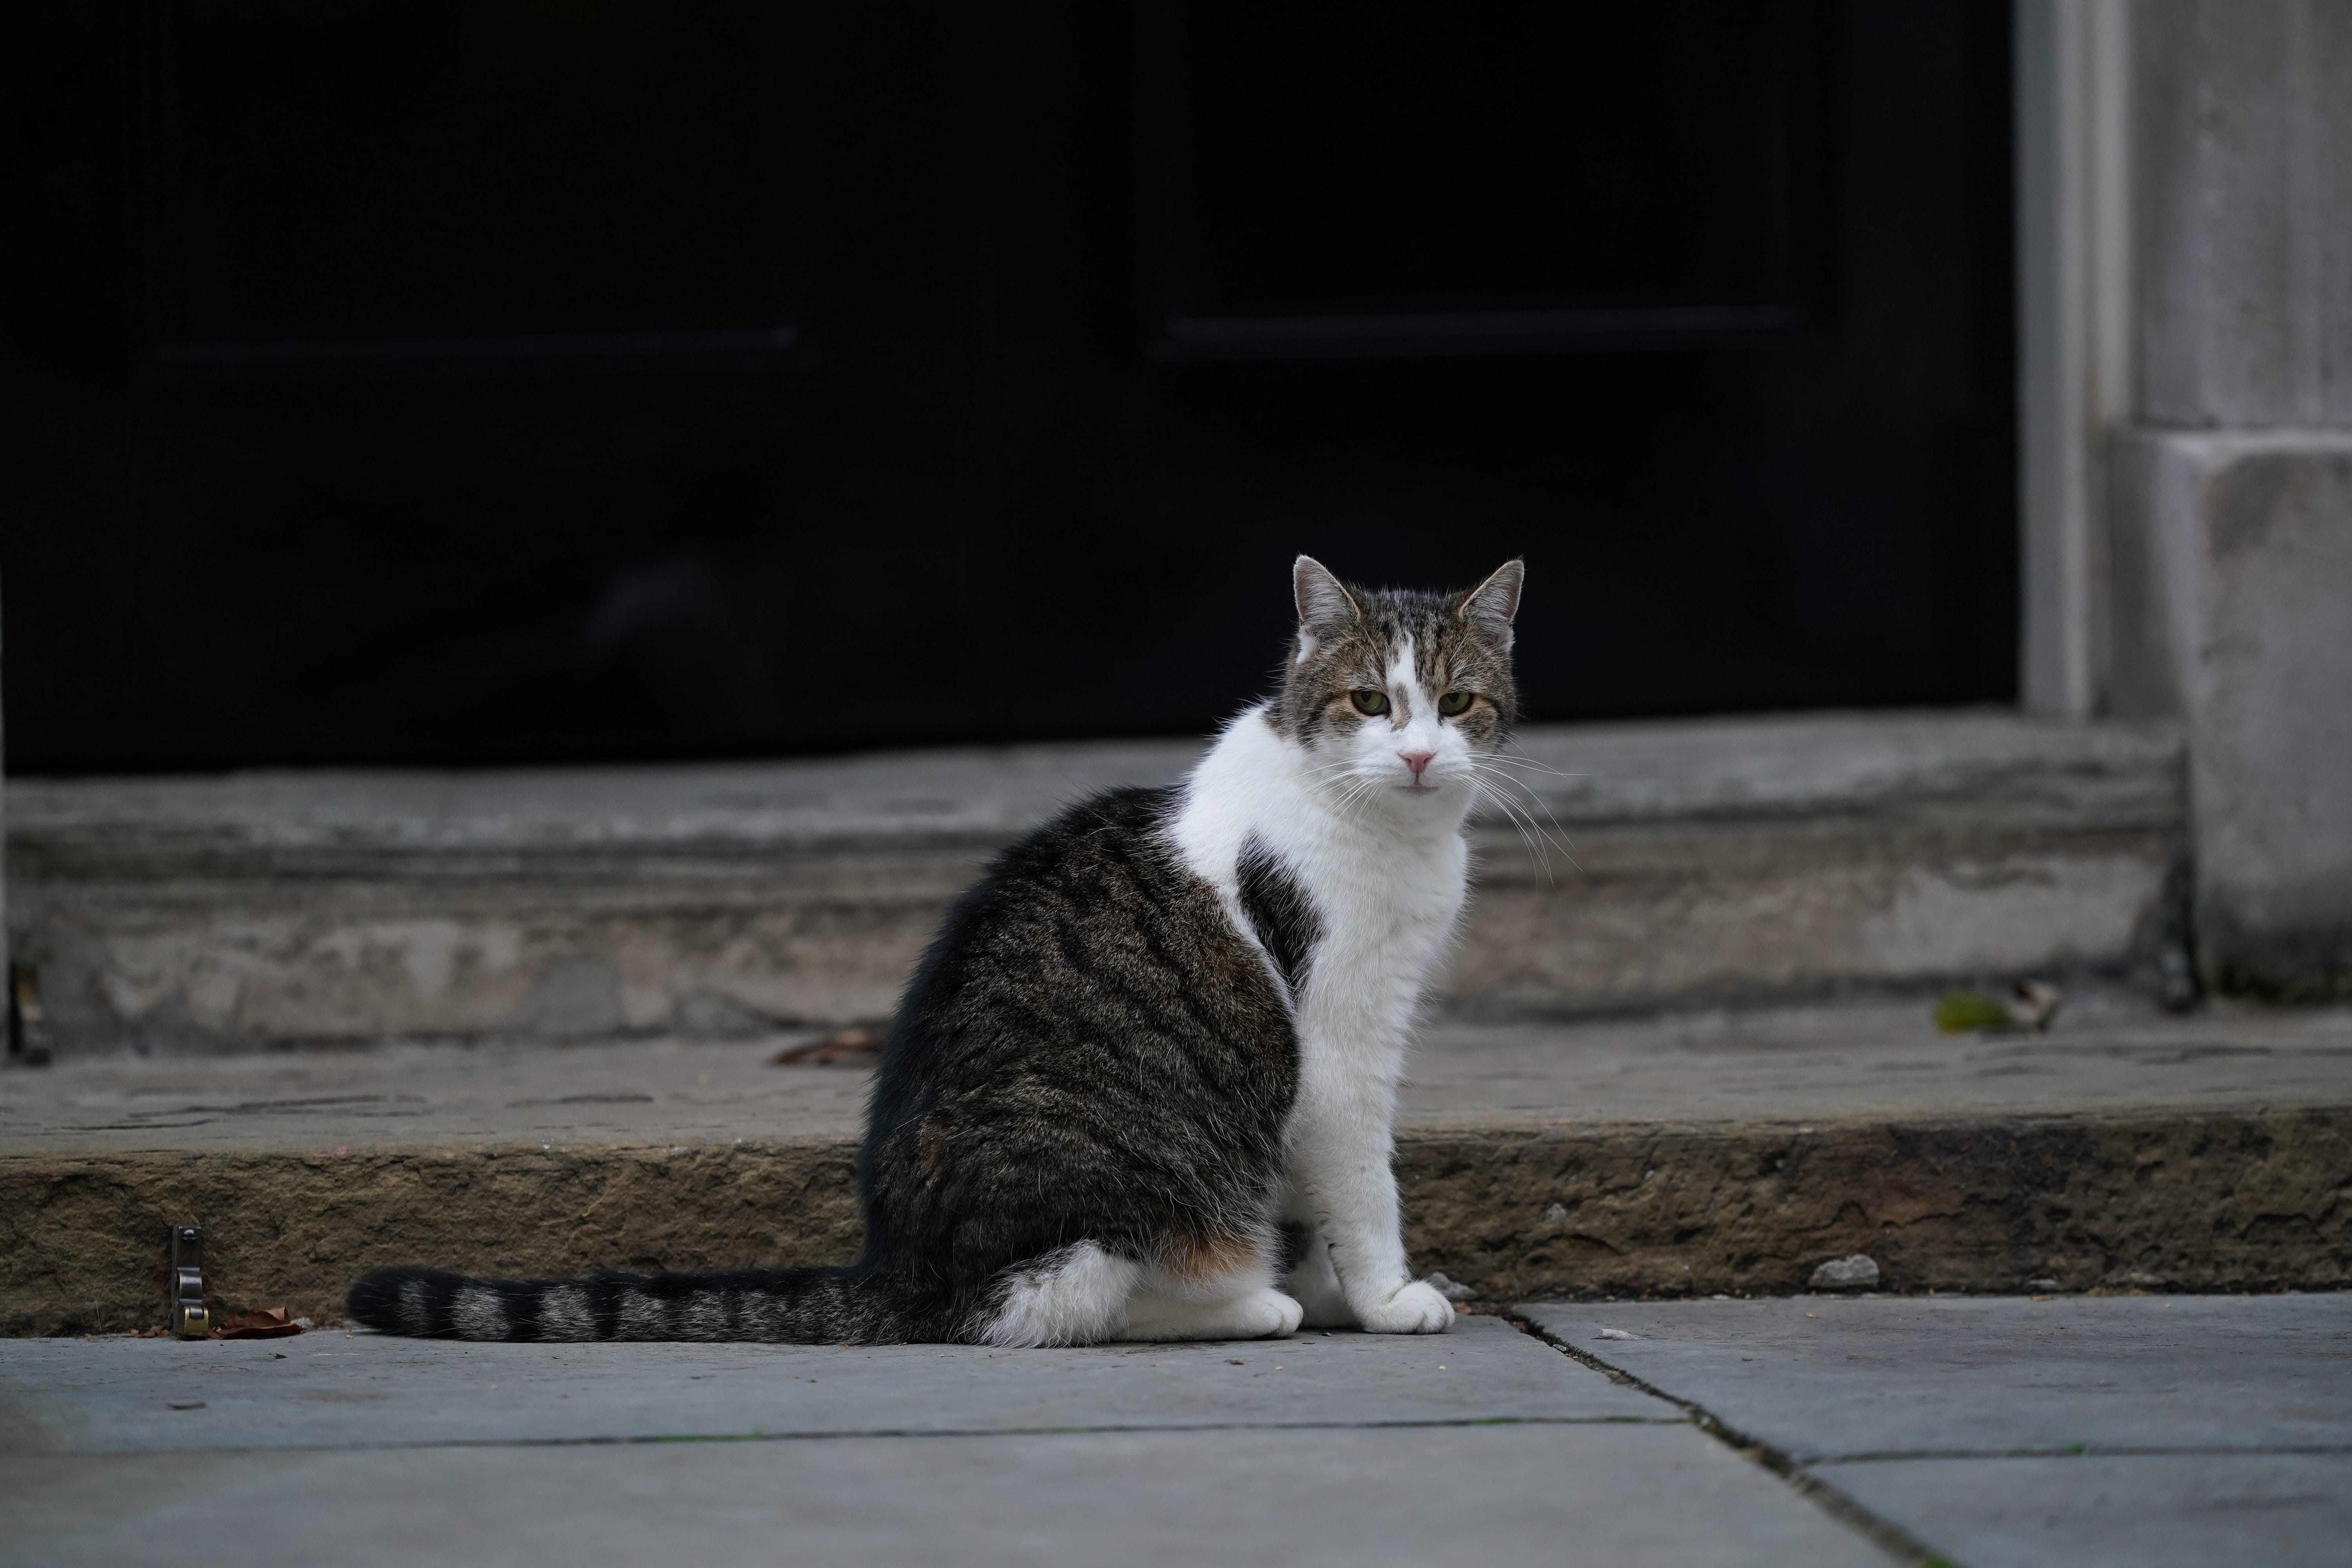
<point x="1387" y="888"/>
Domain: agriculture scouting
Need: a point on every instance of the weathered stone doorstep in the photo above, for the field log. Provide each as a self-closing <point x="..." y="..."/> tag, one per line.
<point x="2229" y="1201"/>
<point x="1711" y="861"/>
<point x="1700" y="1154"/>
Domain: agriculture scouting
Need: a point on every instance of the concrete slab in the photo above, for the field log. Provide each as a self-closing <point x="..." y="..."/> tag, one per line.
<point x="2108" y="1052"/>
<point x="1598" y="1495"/>
<point x="663" y="1092"/>
<point x="1824" y="1378"/>
<point x="2111" y="1052"/>
<point x="335" y="1389"/>
<point x="2184" y="1510"/>
<point x="1738" y="858"/>
<point x="1715" y="859"/>
<point x="1883" y="763"/>
<point x="2067" y="1431"/>
<point x="1323" y="1449"/>
<point x="1694" y="1153"/>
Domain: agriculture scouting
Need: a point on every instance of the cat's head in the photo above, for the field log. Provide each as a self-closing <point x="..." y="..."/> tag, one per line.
<point x="1398" y="695"/>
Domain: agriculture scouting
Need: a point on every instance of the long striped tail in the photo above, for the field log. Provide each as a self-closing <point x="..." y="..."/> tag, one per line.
<point x="792" y="1306"/>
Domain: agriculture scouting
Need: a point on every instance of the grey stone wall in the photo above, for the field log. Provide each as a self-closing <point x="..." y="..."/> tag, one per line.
<point x="2243" y="221"/>
<point x="2236" y="609"/>
<point x="2231" y="542"/>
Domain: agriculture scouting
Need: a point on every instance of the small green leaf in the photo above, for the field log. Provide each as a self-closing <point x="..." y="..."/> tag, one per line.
<point x="1959" y="1011"/>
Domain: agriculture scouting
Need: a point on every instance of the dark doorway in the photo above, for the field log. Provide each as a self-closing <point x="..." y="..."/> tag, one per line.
<point x="511" y="380"/>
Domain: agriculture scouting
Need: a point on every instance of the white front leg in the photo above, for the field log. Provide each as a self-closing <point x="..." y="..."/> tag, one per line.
<point x="1342" y="1146"/>
<point x="1313" y="1283"/>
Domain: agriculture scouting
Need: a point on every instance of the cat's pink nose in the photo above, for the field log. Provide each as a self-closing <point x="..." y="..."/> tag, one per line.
<point x="1416" y="761"/>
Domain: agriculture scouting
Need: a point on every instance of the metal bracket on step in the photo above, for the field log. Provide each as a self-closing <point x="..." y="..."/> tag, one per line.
<point x="189" y="1321"/>
<point x="28" y="1026"/>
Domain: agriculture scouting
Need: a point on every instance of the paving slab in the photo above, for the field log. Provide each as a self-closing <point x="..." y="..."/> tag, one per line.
<point x="2143" y="1429"/>
<point x="1825" y="1378"/>
<point x="1571" y="1494"/>
<point x="338" y="1389"/>
<point x="2201" y="1510"/>
<point x="365" y="1448"/>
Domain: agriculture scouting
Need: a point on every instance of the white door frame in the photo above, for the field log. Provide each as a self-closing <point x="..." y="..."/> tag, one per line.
<point x="2075" y="362"/>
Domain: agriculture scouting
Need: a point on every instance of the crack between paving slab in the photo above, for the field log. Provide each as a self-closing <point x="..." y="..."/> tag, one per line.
<point x="756" y="1435"/>
<point x="2082" y="1451"/>
<point x="1881" y="1532"/>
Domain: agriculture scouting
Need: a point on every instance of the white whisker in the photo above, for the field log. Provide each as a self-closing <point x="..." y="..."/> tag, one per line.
<point x="1555" y="835"/>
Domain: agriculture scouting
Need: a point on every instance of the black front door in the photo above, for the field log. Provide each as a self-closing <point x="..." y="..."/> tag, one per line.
<point x="518" y="380"/>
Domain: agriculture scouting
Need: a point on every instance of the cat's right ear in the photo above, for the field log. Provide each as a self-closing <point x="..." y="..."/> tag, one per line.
<point x="1496" y="600"/>
<point x="1323" y="599"/>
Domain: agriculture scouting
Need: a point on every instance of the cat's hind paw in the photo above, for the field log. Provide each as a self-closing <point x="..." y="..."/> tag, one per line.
<point x="1264" y="1314"/>
<point x="1269" y="1315"/>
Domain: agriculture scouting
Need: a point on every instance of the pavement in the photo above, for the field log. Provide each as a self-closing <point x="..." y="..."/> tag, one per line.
<point x="1978" y="1431"/>
<point x="2150" y="1430"/>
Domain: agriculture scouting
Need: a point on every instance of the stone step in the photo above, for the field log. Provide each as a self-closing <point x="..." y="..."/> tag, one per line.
<point x="1669" y="1155"/>
<point x="1717" y="860"/>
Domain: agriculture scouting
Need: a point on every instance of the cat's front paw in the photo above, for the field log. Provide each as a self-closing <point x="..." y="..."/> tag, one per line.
<point x="1412" y="1308"/>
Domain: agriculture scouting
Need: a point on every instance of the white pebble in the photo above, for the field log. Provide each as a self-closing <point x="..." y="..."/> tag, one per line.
<point x="1857" y="1272"/>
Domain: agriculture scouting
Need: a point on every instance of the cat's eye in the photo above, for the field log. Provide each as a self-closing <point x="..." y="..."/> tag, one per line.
<point x="1454" y="703"/>
<point x="1370" y="702"/>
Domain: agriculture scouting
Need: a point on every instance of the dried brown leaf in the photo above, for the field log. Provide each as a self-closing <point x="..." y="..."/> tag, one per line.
<point x="256" y="1324"/>
<point x="852" y="1047"/>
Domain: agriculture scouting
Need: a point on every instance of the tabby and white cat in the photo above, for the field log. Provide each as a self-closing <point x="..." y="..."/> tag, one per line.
<point x="1142" y="1085"/>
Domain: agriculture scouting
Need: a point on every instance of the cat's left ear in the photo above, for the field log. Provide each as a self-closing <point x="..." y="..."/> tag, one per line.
<point x="1492" y="604"/>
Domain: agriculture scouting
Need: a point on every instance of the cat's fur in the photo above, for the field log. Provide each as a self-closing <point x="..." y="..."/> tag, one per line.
<point x="1142" y="1083"/>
